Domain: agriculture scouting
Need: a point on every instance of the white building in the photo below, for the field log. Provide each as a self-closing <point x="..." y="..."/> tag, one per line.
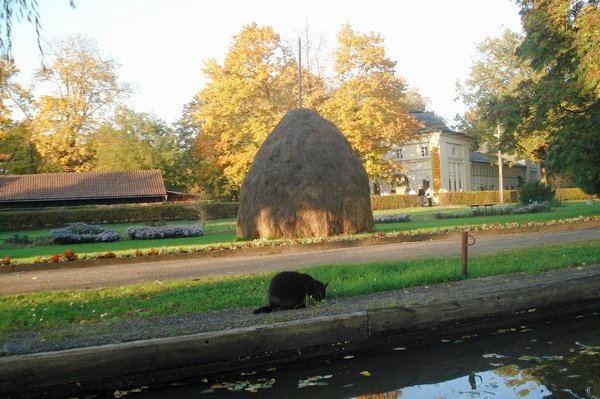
<point x="440" y="157"/>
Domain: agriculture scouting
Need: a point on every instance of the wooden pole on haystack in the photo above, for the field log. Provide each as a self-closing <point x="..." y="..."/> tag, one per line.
<point x="299" y="73"/>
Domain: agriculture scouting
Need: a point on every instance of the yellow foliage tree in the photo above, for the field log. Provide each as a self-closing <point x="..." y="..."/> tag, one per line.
<point x="245" y="98"/>
<point x="369" y="104"/>
<point x="85" y="89"/>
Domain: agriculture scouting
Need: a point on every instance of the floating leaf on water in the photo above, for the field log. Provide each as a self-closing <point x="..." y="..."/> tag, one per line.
<point x="458" y="341"/>
<point x="316" y="380"/>
<point x="348" y="357"/>
<point x="493" y="356"/>
<point x="496" y="364"/>
<point x="445" y="340"/>
<point x="573" y="376"/>
<point x="270" y="369"/>
<point x="365" y="373"/>
<point x="528" y="358"/>
<point x="123" y="393"/>
<point x="348" y="385"/>
<point x="248" y="372"/>
<point x="208" y="390"/>
<point x="400" y="348"/>
<point x="523" y="392"/>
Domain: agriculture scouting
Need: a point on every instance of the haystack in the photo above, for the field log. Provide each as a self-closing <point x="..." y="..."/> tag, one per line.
<point x="305" y="181"/>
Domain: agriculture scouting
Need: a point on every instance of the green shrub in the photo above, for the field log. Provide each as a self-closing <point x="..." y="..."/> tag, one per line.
<point x="105" y="214"/>
<point x="379" y="202"/>
<point x="535" y="191"/>
<point x="572" y="194"/>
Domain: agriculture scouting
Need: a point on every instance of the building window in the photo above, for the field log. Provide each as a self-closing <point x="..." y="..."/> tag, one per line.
<point x="398" y="154"/>
<point x="532" y="175"/>
<point x="453" y="151"/>
<point x="424" y="150"/>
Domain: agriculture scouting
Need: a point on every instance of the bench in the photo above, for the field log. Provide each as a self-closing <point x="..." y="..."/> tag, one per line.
<point x="473" y="206"/>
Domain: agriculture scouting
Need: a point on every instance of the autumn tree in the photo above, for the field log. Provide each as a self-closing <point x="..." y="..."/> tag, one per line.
<point x="84" y="89"/>
<point x="369" y="103"/>
<point x="244" y="99"/>
<point x="16" y="149"/>
<point x="562" y="45"/>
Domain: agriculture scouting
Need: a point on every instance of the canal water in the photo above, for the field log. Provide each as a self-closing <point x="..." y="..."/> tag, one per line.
<point x="559" y="360"/>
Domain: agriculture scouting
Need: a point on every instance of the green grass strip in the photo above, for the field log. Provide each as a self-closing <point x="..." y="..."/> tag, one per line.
<point x="217" y="231"/>
<point x="47" y="310"/>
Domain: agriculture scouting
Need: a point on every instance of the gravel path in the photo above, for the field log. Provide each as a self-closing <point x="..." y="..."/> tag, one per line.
<point x="166" y="326"/>
<point x="122" y="274"/>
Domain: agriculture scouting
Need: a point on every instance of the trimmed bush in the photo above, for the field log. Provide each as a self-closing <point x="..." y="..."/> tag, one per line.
<point x="572" y="194"/>
<point x="400" y="218"/>
<point x="77" y="233"/>
<point x="535" y="191"/>
<point x="476" y="197"/>
<point x="154" y="232"/>
<point x="379" y="202"/>
<point x="105" y="214"/>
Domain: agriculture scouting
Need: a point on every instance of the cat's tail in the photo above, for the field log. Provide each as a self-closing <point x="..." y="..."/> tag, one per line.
<point x="264" y="309"/>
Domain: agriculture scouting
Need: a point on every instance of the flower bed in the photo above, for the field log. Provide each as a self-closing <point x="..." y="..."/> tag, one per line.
<point x="154" y="232"/>
<point x="78" y="233"/>
<point x="398" y="218"/>
<point x="259" y="243"/>
<point x="499" y="210"/>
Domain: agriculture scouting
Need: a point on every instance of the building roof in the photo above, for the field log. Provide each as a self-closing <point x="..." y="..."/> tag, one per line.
<point x="431" y="123"/>
<point x="483" y="158"/>
<point x="84" y="185"/>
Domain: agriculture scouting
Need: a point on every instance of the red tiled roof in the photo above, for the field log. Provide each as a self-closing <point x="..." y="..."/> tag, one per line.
<point x="84" y="185"/>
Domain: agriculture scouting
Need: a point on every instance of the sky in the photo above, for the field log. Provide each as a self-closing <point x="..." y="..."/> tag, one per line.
<point x="161" y="45"/>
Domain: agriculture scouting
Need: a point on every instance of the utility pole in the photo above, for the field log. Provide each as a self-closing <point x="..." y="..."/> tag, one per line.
<point x="299" y="73"/>
<point x="500" y="176"/>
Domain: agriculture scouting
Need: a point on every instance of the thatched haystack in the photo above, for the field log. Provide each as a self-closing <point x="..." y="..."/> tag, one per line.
<point x="305" y="181"/>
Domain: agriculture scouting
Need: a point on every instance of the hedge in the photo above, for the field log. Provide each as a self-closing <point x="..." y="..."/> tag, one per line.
<point x="104" y="214"/>
<point x="467" y="198"/>
<point x="572" y="194"/>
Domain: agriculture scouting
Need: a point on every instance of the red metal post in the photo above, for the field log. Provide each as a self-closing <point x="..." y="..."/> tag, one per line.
<point x="465" y="237"/>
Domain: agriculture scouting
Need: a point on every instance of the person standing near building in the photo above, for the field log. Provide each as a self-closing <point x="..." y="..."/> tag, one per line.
<point x="421" y="196"/>
<point x="429" y="196"/>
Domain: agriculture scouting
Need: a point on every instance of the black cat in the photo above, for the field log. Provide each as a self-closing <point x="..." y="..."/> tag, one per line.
<point x="288" y="290"/>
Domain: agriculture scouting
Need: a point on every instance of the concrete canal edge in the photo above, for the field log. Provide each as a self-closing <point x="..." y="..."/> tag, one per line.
<point x="168" y="359"/>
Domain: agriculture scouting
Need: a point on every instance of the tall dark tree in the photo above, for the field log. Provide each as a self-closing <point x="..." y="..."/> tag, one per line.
<point x="562" y="45"/>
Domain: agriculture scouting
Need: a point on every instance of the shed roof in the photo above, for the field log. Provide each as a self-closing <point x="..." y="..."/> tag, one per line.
<point x="84" y="185"/>
<point x="483" y="158"/>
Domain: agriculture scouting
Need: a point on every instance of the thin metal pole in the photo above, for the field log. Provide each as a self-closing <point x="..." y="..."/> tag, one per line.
<point x="299" y="73"/>
<point x="500" y="175"/>
<point x="465" y="237"/>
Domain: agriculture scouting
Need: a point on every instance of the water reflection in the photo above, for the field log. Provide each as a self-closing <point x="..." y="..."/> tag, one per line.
<point x="560" y="359"/>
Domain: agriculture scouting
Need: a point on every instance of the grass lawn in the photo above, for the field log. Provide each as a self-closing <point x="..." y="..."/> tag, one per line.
<point x="223" y="231"/>
<point x="47" y="310"/>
